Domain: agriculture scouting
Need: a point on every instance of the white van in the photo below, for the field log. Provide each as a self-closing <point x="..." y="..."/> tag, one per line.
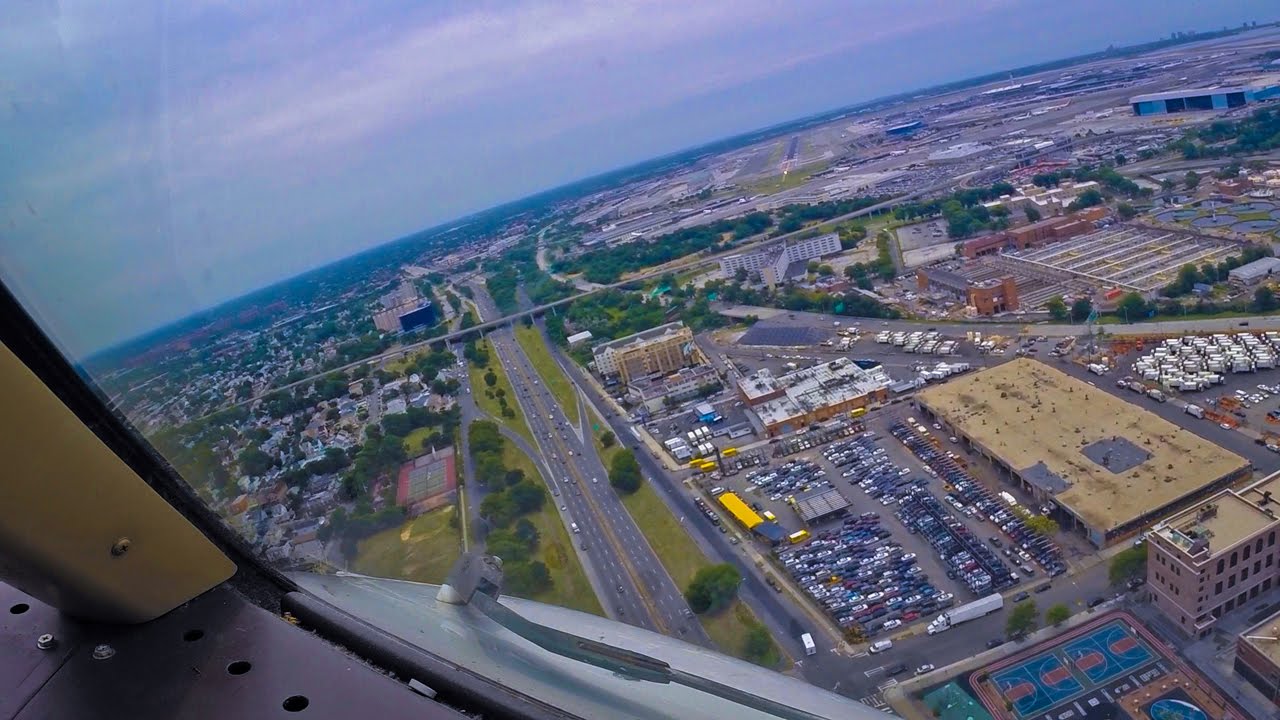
<point x="574" y="527"/>
<point x="880" y="646"/>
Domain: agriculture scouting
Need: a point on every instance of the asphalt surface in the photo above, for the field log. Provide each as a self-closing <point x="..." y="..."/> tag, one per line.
<point x="862" y="675"/>
<point x="634" y="587"/>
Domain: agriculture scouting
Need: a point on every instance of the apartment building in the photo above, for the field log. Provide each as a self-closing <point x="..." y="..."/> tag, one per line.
<point x="663" y="349"/>
<point x="1215" y="557"/>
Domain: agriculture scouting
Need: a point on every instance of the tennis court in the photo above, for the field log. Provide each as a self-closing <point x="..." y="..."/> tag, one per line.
<point x="1108" y="652"/>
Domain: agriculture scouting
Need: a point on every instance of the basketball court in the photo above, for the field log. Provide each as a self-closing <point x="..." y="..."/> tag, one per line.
<point x="1081" y="669"/>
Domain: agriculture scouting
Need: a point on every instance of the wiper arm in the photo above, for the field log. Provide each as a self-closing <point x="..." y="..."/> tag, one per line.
<point x="476" y="580"/>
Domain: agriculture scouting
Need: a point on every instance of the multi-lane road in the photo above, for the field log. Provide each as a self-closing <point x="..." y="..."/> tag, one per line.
<point x="631" y="582"/>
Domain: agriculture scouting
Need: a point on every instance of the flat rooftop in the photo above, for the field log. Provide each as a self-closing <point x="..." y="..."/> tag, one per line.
<point x="1037" y="418"/>
<point x="1222" y="521"/>
<point x="1270" y="649"/>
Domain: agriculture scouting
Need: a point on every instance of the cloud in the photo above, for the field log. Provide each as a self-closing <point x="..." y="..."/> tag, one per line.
<point x="162" y="157"/>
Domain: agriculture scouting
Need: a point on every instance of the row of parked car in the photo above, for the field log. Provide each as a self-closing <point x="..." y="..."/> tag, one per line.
<point x="860" y="578"/>
<point x="814" y="437"/>
<point x="973" y="499"/>
<point x="966" y="558"/>
<point x="791" y="477"/>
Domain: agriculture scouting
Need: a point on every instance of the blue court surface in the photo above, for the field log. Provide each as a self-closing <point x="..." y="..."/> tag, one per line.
<point x="1037" y="684"/>
<point x="1064" y="672"/>
<point x="1106" y="653"/>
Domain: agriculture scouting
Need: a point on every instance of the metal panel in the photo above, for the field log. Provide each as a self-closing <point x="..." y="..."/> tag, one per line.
<point x="78" y="526"/>
<point x="216" y="657"/>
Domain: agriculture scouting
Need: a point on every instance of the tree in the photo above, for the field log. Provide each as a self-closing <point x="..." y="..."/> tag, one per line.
<point x="1132" y="307"/>
<point x="1120" y="159"/>
<point x="253" y="462"/>
<point x="1022" y="620"/>
<point x="1057" y="308"/>
<point x="1088" y="198"/>
<point x="1191" y="179"/>
<point x="608" y="439"/>
<point x="1127" y="565"/>
<point x="826" y="270"/>
<point x="1080" y="309"/>
<point x="526" y="578"/>
<point x="490" y="379"/>
<point x="1042" y="525"/>
<point x="1264" y="299"/>
<point x="713" y="588"/>
<point x="757" y="644"/>
<point x="1057" y="614"/>
<point x="624" y="472"/>
<point x="811" y="267"/>
<point x="1032" y="213"/>
<point x="1126" y="211"/>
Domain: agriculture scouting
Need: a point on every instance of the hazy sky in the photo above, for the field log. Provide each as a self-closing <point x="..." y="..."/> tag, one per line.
<point x="157" y="158"/>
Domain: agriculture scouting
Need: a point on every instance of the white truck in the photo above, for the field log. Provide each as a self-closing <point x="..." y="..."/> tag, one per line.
<point x="1098" y="369"/>
<point x="809" y="647"/>
<point x="1195" y="411"/>
<point x="969" y="611"/>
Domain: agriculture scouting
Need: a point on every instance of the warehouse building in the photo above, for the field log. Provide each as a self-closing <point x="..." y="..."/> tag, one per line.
<point x="985" y="296"/>
<point x="1201" y="99"/>
<point x="1104" y="467"/>
<point x="656" y="391"/>
<point x="1255" y="272"/>
<point x="1036" y="234"/>
<point x="800" y="398"/>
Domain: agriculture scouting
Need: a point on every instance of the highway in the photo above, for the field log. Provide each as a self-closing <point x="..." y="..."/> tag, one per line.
<point x="631" y="582"/>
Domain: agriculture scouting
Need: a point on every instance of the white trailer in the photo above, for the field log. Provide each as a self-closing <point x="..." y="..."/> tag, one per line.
<point x="963" y="614"/>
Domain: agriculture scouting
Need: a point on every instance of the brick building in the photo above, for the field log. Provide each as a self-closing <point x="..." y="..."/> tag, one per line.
<point x="1216" y="556"/>
<point x="986" y="297"/>
<point x="1037" y="233"/>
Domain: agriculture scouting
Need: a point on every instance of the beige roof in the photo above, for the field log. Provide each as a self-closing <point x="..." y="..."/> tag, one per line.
<point x="1027" y="412"/>
<point x="1223" y="520"/>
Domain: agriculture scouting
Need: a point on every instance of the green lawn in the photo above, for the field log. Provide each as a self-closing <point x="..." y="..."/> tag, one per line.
<point x="683" y="558"/>
<point x="486" y="397"/>
<point x="557" y="382"/>
<point x="413" y="441"/>
<point x="422" y="549"/>
<point x="793" y="179"/>
<point x="570" y="587"/>
<point x="727" y="629"/>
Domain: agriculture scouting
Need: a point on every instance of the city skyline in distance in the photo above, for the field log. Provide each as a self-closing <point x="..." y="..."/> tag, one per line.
<point x="170" y="236"/>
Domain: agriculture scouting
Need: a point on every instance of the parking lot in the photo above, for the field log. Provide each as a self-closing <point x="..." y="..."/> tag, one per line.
<point x="922" y="532"/>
